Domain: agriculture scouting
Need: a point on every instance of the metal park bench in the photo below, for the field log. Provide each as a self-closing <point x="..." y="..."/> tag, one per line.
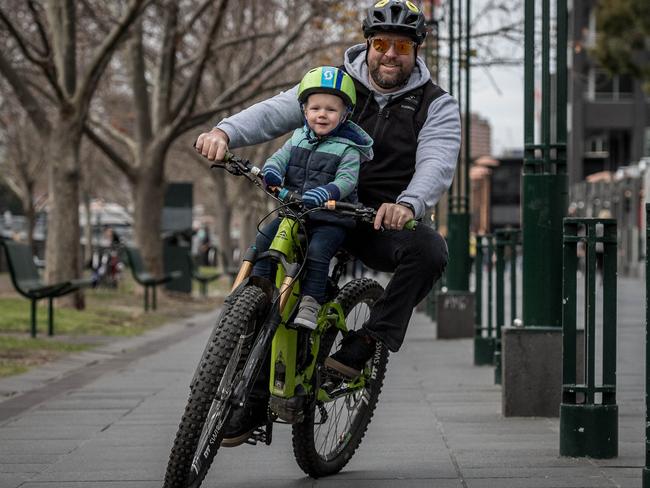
<point x="146" y="279"/>
<point x="26" y="279"/>
<point x="205" y="278"/>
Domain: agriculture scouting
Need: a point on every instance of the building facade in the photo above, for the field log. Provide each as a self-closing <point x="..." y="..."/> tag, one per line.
<point x="609" y="116"/>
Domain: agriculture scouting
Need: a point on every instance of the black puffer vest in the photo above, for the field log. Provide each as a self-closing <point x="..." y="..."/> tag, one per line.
<point x="395" y="130"/>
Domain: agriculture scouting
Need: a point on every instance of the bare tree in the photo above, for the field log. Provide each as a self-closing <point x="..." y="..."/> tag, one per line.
<point x="24" y="160"/>
<point x="189" y="63"/>
<point x="43" y="41"/>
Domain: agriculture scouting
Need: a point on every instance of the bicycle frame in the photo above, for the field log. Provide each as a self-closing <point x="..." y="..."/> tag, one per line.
<point x="286" y="382"/>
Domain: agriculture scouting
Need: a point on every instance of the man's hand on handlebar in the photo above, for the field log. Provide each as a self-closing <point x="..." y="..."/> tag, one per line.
<point x="392" y="216"/>
<point x="213" y="145"/>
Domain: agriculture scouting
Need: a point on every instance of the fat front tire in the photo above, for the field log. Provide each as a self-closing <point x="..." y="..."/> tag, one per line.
<point x="240" y="317"/>
<point x="330" y="434"/>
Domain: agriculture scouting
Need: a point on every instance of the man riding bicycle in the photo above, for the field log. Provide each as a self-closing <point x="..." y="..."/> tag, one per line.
<point x="416" y="128"/>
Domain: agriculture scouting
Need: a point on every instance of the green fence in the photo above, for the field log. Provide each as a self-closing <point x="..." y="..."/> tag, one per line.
<point x="493" y="251"/>
<point x="588" y="412"/>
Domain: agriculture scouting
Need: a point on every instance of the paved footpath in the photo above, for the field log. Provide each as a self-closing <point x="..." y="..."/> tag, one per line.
<point x="107" y="418"/>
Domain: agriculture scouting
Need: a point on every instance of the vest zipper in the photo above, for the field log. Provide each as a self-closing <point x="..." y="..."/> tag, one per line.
<point x="382" y="114"/>
<point x="363" y="109"/>
<point x="383" y="127"/>
<point x="311" y="153"/>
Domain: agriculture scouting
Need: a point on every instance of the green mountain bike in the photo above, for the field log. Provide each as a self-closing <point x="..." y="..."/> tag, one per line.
<point x="329" y="415"/>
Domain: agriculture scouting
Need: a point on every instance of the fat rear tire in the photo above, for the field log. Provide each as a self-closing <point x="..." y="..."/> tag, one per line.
<point x="311" y="441"/>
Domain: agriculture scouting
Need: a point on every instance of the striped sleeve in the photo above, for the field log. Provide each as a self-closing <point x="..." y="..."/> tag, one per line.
<point x="280" y="158"/>
<point x="347" y="174"/>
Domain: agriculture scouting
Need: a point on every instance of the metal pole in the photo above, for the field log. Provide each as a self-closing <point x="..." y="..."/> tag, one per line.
<point x="451" y="47"/>
<point x="514" y="240"/>
<point x="459" y="58"/>
<point x="490" y="300"/>
<point x="546" y="84"/>
<point x="646" y="469"/>
<point x="529" y="82"/>
<point x="561" y="85"/>
<point x="544" y="203"/>
<point x="483" y="340"/>
<point x="468" y="139"/>
<point x="501" y="242"/>
<point x="458" y="270"/>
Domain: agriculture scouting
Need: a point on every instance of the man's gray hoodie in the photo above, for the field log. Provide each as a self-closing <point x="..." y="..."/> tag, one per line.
<point x="438" y="141"/>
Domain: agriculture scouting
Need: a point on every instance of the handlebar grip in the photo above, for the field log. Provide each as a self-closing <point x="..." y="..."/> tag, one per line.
<point x="411" y="224"/>
<point x="336" y="205"/>
<point x="285" y="195"/>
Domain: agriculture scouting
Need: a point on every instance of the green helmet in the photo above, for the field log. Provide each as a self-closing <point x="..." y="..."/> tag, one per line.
<point x="327" y="79"/>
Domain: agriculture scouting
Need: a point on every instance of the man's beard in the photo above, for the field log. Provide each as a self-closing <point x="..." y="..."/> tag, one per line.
<point x="391" y="81"/>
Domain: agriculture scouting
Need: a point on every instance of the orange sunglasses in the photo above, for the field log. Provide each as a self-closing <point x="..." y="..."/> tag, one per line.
<point x="402" y="46"/>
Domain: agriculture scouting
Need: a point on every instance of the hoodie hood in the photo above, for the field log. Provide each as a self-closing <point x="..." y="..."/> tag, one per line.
<point x="347" y="133"/>
<point x="355" y="65"/>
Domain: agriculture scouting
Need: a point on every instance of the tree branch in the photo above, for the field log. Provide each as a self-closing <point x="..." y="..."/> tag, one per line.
<point x="114" y="134"/>
<point x="267" y="62"/>
<point x="187" y="98"/>
<point x="23" y="44"/>
<point x="61" y="18"/>
<point x="255" y="89"/>
<point x="42" y="61"/>
<point x="164" y="83"/>
<point x="36" y="84"/>
<point x="91" y="12"/>
<point x="227" y="43"/>
<point x="194" y="17"/>
<point x="26" y="98"/>
<point x="203" y="117"/>
<point x="47" y="50"/>
<point x="139" y="83"/>
<point x="88" y="83"/>
<point x="108" y="150"/>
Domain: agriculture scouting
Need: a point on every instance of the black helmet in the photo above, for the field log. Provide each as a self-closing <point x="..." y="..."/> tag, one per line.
<point x="400" y="16"/>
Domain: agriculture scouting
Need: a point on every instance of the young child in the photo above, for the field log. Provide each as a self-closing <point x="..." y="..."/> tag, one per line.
<point x="320" y="161"/>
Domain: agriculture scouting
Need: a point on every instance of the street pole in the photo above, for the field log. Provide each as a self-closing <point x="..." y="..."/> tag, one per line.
<point x="544" y="204"/>
<point x="454" y="320"/>
<point x="646" y="469"/>
<point x="468" y="138"/>
<point x="458" y="269"/>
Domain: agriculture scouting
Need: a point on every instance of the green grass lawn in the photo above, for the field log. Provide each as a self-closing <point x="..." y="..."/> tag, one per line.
<point x="18" y="354"/>
<point x="99" y="318"/>
<point x="108" y="312"/>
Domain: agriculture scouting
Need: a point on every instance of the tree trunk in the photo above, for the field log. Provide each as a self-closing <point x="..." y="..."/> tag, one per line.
<point x="148" y="198"/>
<point x="30" y="215"/>
<point x="88" y="231"/>
<point x="248" y="229"/>
<point x="224" y="217"/>
<point x="62" y="254"/>
<point x="224" y="220"/>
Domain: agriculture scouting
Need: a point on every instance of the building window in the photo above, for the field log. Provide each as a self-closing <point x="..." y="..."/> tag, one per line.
<point x="596" y="146"/>
<point x="603" y="86"/>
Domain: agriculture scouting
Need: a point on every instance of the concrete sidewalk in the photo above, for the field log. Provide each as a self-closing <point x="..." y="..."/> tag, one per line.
<point x="108" y="419"/>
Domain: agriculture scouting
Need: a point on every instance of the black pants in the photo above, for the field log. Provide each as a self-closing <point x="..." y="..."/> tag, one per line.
<point x="417" y="260"/>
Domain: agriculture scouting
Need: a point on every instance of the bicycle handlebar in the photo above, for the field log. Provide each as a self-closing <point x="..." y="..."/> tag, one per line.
<point x="241" y="167"/>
